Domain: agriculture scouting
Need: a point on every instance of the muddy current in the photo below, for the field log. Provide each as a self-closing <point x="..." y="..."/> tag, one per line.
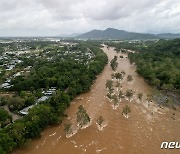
<point x="141" y="133"/>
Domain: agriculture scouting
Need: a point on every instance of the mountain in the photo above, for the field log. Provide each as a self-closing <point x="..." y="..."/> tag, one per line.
<point x="168" y="35"/>
<point x="111" y="33"/>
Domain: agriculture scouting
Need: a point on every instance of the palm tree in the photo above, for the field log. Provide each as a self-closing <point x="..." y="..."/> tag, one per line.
<point x="126" y="110"/>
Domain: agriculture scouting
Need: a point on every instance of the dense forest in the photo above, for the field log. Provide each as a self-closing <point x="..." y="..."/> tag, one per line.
<point x="157" y="61"/>
<point x="5" y="118"/>
<point x="70" y="77"/>
<point x="159" y="64"/>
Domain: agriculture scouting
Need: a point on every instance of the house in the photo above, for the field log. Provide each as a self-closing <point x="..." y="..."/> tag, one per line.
<point x="25" y="110"/>
<point x="6" y="85"/>
<point x="50" y="91"/>
<point x="17" y="74"/>
<point x="43" y="98"/>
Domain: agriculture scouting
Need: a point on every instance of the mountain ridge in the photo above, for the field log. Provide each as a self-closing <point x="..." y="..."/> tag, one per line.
<point x="112" y="33"/>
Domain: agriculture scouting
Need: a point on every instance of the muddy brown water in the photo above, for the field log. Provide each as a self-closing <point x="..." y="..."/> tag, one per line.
<point x="141" y="133"/>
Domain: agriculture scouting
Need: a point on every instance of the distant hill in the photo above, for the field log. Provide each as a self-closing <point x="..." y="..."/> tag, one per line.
<point x="111" y="33"/>
<point x="168" y="35"/>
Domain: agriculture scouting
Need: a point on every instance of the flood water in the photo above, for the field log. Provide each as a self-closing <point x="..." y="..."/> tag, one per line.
<point x="142" y="133"/>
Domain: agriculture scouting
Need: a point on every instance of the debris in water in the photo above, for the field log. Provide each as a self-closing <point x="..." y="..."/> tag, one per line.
<point x="52" y="134"/>
<point x="97" y="151"/>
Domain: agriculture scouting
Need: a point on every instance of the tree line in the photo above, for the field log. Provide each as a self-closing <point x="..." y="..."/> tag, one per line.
<point x="159" y="64"/>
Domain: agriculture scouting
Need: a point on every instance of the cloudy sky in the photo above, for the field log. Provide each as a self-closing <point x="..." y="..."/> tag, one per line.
<point x="53" y="17"/>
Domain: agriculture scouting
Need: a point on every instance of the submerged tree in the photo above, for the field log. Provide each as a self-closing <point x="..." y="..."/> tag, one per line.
<point x="100" y="120"/>
<point x="129" y="94"/>
<point x="117" y="50"/>
<point x="129" y="78"/>
<point x="68" y="128"/>
<point x="109" y="96"/>
<point x="140" y="96"/>
<point x="149" y="99"/>
<point x="112" y="75"/>
<point x="120" y="94"/>
<point x="115" y="100"/>
<point x="118" y="85"/>
<point x="111" y="91"/>
<point x="123" y="72"/>
<point x="126" y="110"/>
<point x="118" y="76"/>
<point x="114" y="63"/>
<point x="82" y="117"/>
<point x="109" y="86"/>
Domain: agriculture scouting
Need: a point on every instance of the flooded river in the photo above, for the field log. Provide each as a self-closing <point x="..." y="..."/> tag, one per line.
<point x="142" y="133"/>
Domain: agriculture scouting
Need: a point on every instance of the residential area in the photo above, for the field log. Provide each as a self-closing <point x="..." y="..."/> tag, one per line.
<point x="19" y="59"/>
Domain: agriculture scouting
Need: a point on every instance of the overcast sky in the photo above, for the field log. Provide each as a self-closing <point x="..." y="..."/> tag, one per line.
<point x="54" y="17"/>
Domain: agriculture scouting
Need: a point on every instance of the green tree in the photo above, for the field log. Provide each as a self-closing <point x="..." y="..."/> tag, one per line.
<point x="109" y="96"/>
<point x="114" y="63"/>
<point x="140" y="96"/>
<point x="118" y="76"/>
<point x="126" y="110"/>
<point x="2" y="151"/>
<point x="39" y="93"/>
<point x="17" y="132"/>
<point x="68" y="128"/>
<point x="100" y="120"/>
<point x="120" y="94"/>
<point x="82" y="117"/>
<point x="5" y="118"/>
<point x="115" y="100"/>
<point x="109" y="86"/>
<point x="129" y="78"/>
<point x="118" y="84"/>
<point x="16" y="103"/>
<point x="6" y="142"/>
<point x="129" y="94"/>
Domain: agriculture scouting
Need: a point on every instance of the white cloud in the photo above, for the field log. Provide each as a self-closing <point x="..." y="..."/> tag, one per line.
<point x="53" y="17"/>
